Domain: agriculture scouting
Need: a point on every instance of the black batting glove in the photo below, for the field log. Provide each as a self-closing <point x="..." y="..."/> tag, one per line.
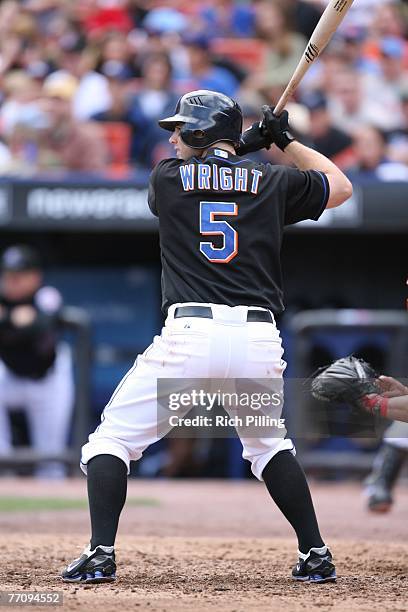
<point x="277" y="129"/>
<point x="253" y="139"/>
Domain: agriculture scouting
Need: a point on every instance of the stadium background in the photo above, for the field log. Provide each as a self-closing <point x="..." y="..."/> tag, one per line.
<point x="81" y="86"/>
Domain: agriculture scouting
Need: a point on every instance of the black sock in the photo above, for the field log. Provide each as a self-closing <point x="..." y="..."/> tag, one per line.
<point x="107" y="485"/>
<point x="287" y="485"/>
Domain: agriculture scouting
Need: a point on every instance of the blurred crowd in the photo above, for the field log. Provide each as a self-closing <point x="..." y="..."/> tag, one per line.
<point x="83" y="82"/>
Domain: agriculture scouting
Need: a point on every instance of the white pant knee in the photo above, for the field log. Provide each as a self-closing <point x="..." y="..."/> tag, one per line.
<point x="260" y="452"/>
<point x="107" y="447"/>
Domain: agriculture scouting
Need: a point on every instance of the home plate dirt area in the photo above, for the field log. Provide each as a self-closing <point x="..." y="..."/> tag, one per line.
<point x="204" y="545"/>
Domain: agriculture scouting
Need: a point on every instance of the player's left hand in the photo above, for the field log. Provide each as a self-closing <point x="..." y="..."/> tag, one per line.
<point x="350" y="380"/>
<point x="256" y="137"/>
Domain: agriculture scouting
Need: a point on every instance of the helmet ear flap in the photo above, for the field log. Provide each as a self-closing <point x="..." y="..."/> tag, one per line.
<point x="195" y="139"/>
<point x="199" y="134"/>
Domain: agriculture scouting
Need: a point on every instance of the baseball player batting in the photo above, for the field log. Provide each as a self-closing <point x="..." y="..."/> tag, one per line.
<point x="221" y="220"/>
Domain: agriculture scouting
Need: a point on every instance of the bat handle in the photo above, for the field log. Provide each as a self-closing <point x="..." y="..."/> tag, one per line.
<point x="283" y="101"/>
<point x="280" y="106"/>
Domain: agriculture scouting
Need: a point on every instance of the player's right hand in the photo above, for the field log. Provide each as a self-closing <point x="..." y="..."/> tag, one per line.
<point x="390" y="387"/>
<point x="277" y="127"/>
<point x="254" y="139"/>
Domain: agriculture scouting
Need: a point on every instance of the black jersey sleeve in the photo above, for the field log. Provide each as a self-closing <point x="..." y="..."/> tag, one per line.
<point x="160" y="174"/>
<point x="151" y="194"/>
<point x="307" y="195"/>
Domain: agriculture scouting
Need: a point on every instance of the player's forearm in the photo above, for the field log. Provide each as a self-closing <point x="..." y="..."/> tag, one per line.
<point x="397" y="408"/>
<point x="306" y="158"/>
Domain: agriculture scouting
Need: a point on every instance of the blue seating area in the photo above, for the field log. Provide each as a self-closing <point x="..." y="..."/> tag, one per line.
<point x="124" y="308"/>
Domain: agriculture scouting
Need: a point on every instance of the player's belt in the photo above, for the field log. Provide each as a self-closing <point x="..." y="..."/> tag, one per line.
<point x="205" y="312"/>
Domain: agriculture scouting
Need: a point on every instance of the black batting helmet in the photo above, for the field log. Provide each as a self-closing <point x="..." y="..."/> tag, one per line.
<point x="206" y="117"/>
<point x="19" y="258"/>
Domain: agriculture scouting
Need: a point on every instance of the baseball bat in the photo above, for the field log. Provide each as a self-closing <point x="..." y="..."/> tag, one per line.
<point x="331" y="18"/>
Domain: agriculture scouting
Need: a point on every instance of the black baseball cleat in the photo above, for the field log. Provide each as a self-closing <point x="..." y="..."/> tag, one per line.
<point x="315" y="567"/>
<point x="379" y="498"/>
<point x="379" y="484"/>
<point x="92" y="566"/>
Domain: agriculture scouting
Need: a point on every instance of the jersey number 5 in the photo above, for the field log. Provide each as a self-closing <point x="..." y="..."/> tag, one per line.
<point x="209" y="226"/>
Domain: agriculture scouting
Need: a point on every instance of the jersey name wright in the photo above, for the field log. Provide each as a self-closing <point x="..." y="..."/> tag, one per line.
<point x="207" y="177"/>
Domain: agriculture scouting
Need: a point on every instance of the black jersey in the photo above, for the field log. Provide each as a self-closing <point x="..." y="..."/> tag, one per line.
<point x="29" y="350"/>
<point x="221" y="221"/>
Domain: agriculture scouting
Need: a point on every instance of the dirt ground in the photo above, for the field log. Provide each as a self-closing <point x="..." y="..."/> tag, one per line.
<point x="202" y="546"/>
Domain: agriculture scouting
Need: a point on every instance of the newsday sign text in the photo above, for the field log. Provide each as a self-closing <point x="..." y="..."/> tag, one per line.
<point x="101" y="205"/>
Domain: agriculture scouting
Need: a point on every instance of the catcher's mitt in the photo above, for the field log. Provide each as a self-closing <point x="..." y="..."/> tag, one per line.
<point x="346" y="380"/>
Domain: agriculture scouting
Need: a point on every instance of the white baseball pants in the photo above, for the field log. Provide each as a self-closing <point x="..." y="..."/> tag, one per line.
<point x="48" y="404"/>
<point x="224" y="347"/>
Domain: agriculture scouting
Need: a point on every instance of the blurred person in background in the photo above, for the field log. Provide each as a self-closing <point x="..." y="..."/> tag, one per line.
<point x="157" y="96"/>
<point x="34" y="60"/>
<point x="56" y="142"/>
<point x="92" y="93"/>
<point x="43" y="10"/>
<point x="386" y="84"/>
<point x="118" y="91"/>
<point x="323" y="74"/>
<point x="12" y="26"/>
<point x="226" y="18"/>
<point x="103" y="45"/>
<point x="349" y="108"/>
<point x="165" y="20"/>
<point x="22" y="45"/>
<point x="305" y="15"/>
<point x="398" y="139"/>
<point x="372" y="162"/>
<point x="386" y="19"/>
<point x="21" y="119"/>
<point x="161" y="32"/>
<point x="116" y="56"/>
<point x="323" y="135"/>
<point x="118" y="114"/>
<point x="203" y="72"/>
<point x="98" y="17"/>
<point x="67" y="143"/>
<point x="284" y="45"/>
<point x="140" y="110"/>
<point x="349" y="45"/>
<point x="362" y="12"/>
<point x="21" y="101"/>
<point x="35" y="368"/>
